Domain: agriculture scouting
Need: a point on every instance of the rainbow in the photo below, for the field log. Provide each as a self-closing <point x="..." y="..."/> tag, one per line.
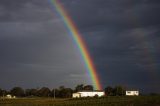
<point x="80" y="43"/>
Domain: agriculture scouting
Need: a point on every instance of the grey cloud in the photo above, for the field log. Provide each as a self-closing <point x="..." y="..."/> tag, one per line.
<point x="35" y="47"/>
<point x="114" y="14"/>
<point x="122" y="37"/>
<point x="25" y="10"/>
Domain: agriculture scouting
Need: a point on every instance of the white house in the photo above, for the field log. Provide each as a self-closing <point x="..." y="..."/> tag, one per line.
<point x="88" y="94"/>
<point x="132" y="93"/>
<point x="76" y="95"/>
<point x="10" y="96"/>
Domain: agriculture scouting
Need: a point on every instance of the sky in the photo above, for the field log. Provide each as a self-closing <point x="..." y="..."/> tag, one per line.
<point x="122" y="37"/>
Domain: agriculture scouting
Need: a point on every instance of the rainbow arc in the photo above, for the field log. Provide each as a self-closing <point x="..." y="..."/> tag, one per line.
<point x="80" y="43"/>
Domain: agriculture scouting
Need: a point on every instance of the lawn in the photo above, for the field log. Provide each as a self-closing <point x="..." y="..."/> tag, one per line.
<point x="105" y="101"/>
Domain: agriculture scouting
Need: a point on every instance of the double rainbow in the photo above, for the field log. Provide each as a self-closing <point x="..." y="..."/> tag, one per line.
<point x="79" y="41"/>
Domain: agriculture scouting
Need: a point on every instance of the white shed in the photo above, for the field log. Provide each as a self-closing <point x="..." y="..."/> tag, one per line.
<point x="88" y="94"/>
<point x="9" y="96"/>
<point x="132" y="93"/>
<point x="76" y="95"/>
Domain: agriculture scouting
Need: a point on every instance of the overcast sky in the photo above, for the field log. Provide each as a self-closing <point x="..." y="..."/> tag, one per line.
<point x="122" y="36"/>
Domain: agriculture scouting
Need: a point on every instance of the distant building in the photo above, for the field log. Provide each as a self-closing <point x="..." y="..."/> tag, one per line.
<point x="88" y="94"/>
<point x="14" y="97"/>
<point x="132" y="93"/>
<point x="10" y="96"/>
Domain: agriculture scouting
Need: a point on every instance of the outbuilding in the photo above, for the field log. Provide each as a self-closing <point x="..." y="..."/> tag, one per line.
<point x="132" y="93"/>
<point x="88" y="94"/>
<point x="9" y="96"/>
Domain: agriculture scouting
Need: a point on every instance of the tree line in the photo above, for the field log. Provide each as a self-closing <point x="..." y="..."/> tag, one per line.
<point x="61" y="92"/>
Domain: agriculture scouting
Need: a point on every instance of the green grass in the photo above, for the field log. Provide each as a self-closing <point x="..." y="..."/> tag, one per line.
<point x="106" y="101"/>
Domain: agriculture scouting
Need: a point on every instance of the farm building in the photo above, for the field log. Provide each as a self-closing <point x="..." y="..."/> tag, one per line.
<point x="88" y="94"/>
<point x="10" y="96"/>
<point x="132" y="93"/>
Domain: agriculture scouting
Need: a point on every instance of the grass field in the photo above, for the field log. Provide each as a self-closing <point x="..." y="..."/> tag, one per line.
<point x="106" y="101"/>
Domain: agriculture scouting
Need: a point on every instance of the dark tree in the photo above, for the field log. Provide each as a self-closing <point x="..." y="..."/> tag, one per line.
<point x="17" y="91"/>
<point x="119" y="91"/>
<point x="31" y="92"/>
<point x="53" y="92"/>
<point x="88" y="88"/>
<point x="79" y="87"/>
<point x="4" y="92"/>
<point x="109" y="91"/>
<point x="44" y="92"/>
<point x="62" y="92"/>
<point x="68" y="92"/>
<point x="57" y="92"/>
<point x="1" y="92"/>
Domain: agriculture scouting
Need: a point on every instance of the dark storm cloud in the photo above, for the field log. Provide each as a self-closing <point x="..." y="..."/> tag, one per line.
<point x="123" y="37"/>
<point x="114" y="13"/>
<point x="24" y="10"/>
<point x="35" y="47"/>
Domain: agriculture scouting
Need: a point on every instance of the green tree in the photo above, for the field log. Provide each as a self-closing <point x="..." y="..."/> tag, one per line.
<point x="17" y="91"/>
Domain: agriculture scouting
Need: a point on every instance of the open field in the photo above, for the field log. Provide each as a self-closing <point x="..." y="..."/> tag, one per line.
<point x="106" y="101"/>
